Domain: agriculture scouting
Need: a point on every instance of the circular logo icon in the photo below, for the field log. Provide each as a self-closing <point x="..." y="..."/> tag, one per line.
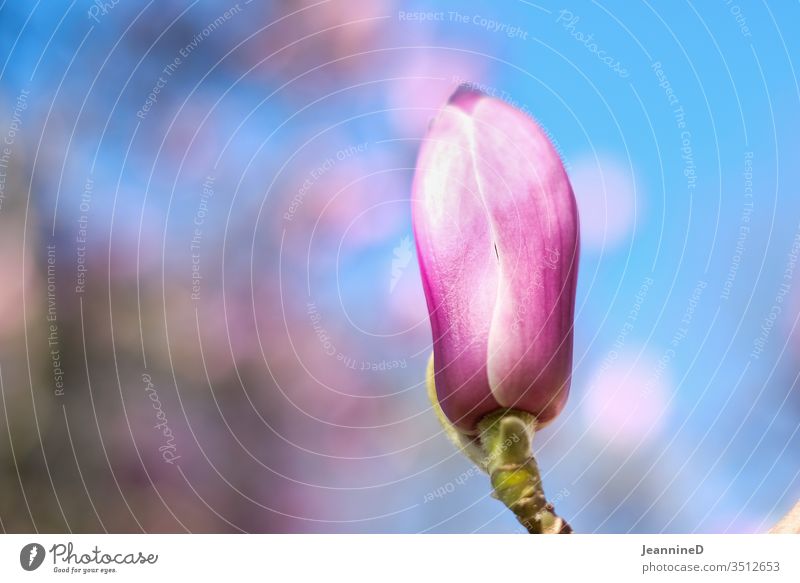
<point x="31" y="556"/>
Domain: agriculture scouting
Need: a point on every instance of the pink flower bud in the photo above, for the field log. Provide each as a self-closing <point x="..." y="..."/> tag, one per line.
<point x="496" y="229"/>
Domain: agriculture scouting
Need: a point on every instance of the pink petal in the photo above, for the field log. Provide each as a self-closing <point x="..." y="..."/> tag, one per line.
<point x="497" y="235"/>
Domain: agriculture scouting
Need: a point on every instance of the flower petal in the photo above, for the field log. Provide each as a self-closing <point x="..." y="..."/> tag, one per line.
<point x="496" y="227"/>
<point x="458" y="265"/>
<point x="533" y="213"/>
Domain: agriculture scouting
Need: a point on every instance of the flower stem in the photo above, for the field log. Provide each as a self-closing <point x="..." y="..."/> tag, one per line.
<point x="503" y="450"/>
<point x="506" y="437"/>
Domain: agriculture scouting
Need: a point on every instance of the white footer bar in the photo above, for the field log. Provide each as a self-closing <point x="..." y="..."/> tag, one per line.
<point x="354" y="558"/>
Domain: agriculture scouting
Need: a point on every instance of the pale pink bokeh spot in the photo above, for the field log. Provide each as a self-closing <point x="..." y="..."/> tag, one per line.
<point x="423" y="84"/>
<point x="607" y="200"/>
<point x="627" y="399"/>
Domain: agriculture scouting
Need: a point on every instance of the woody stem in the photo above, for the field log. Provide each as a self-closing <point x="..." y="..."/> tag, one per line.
<point x="506" y="437"/>
<point x="789" y="524"/>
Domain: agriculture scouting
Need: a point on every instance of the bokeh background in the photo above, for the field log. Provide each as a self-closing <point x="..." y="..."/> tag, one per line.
<point x="211" y="316"/>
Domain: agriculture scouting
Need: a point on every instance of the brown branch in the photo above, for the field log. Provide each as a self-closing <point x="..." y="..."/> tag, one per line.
<point x="789" y="524"/>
